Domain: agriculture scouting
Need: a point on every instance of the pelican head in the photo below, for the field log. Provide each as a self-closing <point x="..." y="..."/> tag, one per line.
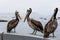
<point x="17" y="15"/>
<point x="55" y="12"/>
<point x="28" y="13"/>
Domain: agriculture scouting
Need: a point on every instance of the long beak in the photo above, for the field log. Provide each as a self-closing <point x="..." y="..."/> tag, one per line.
<point x="25" y="17"/>
<point x="19" y="16"/>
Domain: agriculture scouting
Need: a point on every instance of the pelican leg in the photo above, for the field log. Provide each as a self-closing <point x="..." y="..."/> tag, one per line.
<point x="14" y="30"/>
<point x="53" y="34"/>
<point x="35" y="32"/>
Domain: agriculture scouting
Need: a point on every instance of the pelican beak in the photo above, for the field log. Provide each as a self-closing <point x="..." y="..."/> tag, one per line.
<point x="19" y="16"/>
<point x="26" y="17"/>
<point x="28" y="13"/>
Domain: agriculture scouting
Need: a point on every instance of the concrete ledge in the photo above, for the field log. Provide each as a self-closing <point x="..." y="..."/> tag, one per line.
<point x="21" y="36"/>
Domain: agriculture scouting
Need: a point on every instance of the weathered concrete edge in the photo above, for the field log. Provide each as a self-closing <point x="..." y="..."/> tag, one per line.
<point x="21" y="36"/>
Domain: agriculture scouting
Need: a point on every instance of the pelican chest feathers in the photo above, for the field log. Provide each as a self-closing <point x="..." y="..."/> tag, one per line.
<point x="13" y="23"/>
<point x="34" y="24"/>
<point x="51" y="26"/>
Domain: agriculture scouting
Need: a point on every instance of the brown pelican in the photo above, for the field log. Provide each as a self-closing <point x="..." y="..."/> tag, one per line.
<point x="51" y="26"/>
<point x="35" y="25"/>
<point x="13" y="23"/>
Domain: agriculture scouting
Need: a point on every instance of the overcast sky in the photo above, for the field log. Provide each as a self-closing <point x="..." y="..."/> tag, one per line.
<point x="42" y="7"/>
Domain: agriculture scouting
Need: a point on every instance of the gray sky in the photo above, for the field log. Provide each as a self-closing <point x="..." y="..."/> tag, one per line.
<point x="42" y="7"/>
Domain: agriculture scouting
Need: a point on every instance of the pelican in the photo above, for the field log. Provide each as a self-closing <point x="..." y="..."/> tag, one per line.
<point x="13" y="23"/>
<point x="51" y="26"/>
<point x="35" y="25"/>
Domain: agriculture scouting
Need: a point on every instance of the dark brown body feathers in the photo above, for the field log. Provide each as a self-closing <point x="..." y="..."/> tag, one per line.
<point x="51" y="26"/>
<point x="12" y="24"/>
<point x="38" y="25"/>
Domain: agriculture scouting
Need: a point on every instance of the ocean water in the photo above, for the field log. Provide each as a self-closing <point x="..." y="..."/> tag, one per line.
<point x="24" y="27"/>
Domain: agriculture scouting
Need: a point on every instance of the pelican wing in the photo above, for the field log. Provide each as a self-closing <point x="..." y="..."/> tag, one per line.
<point x="51" y="26"/>
<point x="12" y="21"/>
<point x="37" y="24"/>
